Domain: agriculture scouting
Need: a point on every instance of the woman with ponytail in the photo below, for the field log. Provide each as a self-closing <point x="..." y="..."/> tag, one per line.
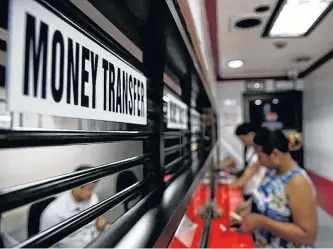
<point x="283" y="206"/>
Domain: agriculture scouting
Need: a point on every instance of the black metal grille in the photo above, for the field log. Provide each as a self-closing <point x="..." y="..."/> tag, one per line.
<point x="72" y="224"/>
<point x="25" y="138"/>
<point x="20" y="195"/>
<point x="150" y="25"/>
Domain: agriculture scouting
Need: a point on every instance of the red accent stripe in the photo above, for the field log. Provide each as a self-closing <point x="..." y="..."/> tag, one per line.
<point x="324" y="189"/>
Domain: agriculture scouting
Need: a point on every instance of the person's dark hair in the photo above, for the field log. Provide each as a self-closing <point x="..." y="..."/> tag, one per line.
<point x="126" y="179"/>
<point x="270" y="140"/>
<point x="84" y="167"/>
<point x="246" y="128"/>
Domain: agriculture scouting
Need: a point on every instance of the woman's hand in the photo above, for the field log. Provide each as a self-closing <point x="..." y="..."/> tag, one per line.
<point x="228" y="163"/>
<point x="244" y="209"/>
<point x="251" y="222"/>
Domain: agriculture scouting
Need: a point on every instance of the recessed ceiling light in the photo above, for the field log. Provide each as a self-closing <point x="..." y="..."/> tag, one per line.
<point x="257" y="102"/>
<point x="229" y="102"/>
<point x="235" y="64"/>
<point x="298" y="16"/>
<point x="257" y="85"/>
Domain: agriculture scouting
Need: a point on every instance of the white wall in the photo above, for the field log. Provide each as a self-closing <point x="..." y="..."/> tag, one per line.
<point x="230" y="103"/>
<point x="318" y="120"/>
<point x="318" y="135"/>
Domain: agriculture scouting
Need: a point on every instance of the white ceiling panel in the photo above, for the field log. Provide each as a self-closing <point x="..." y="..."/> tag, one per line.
<point x="261" y="57"/>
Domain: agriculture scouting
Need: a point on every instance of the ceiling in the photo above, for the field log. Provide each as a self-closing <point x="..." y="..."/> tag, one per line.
<point x="262" y="59"/>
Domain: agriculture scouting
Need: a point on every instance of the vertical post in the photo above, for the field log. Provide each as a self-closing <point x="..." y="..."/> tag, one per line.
<point x="218" y="155"/>
<point x="201" y="140"/>
<point x="213" y="163"/>
<point x="187" y="96"/>
<point x="212" y="184"/>
<point x="154" y="54"/>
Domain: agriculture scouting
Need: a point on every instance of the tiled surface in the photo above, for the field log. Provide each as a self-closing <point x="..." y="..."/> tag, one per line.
<point x="325" y="230"/>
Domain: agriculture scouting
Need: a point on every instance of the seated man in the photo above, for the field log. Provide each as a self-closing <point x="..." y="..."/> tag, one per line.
<point x="68" y="205"/>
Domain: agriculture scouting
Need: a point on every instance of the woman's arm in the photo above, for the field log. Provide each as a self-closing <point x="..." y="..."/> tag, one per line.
<point x="246" y="176"/>
<point x="303" y="206"/>
<point x="228" y="163"/>
<point x="302" y="203"/>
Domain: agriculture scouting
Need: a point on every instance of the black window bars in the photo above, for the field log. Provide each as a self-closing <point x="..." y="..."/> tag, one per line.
<point x="20" y="195"/>
<point x="32" y="138"/>
<point x="54" y="234"/>
<point x="165" y="152"/>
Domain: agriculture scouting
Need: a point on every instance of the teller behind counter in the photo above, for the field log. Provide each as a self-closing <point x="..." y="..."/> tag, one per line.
<point x="69" y="204"/>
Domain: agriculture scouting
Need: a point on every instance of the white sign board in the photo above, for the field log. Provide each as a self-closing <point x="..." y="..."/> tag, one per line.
<point x="284" y="85"/>
<point x="55" y="68"/>
<point x="186" y="231"/>
<point x="177" y="113"/>
<point x="196" y="121"/>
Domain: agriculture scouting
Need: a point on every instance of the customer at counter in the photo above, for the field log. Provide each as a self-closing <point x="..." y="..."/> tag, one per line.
<point x="252" y="173"/>
<point x="283" y="206"/>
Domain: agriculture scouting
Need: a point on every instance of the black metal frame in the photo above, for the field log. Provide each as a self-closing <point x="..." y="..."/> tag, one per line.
<point x="169" y="230"/>
<point x="35" y="138"/>
<point x="205" y="234"/>
<point x="275" y="14"/>
<point x="209" y="212"/>
<point x="185" y="173"/>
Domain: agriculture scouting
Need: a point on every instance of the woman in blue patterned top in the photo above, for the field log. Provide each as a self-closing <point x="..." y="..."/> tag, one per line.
<point x="283" y="207"/>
